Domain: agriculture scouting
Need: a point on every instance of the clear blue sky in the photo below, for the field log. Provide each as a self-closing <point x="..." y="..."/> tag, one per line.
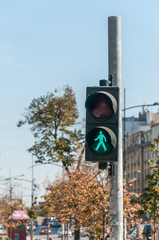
<point x="47" y="44"/>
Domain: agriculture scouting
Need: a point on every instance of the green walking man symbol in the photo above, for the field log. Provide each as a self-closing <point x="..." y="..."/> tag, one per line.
<point x="101" y="139"/>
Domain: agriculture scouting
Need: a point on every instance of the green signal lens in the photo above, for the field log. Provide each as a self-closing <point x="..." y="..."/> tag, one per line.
<point x="99" y="141"/>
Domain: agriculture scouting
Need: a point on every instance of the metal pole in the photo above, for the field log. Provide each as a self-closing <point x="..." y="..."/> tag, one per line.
<point x="124" y="135"/>
<point x="116" y="181"/>
<point x="10" y="196"/>
<point x="32" y="199"/>
<point x="124" y="160"/>
<point x="63" y="226"/>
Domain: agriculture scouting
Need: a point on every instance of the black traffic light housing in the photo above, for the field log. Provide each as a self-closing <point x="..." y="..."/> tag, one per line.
<point x="102" y="114"/>
<point x="109" y="166"/>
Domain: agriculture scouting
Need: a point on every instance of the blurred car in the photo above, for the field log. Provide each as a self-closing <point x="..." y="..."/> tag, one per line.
<point x="55" y="223"/>
<point x="45" y="221"/>
<point x="133" y="234"/>
<point x="35" y="223"/>
<point x="60" y="233"/>
<point x="2" y="229"/>
<point x="29" y="226"/>
<point x="84" y="232"/>
<point x="72" y="228"/>
<point x="147" y="231"/>
<point x="44" y="230"/>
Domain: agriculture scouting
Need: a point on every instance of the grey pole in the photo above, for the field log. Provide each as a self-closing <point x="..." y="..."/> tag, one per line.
<point x="32" y="199"/>
<point x="116" y="181"/>
<point x="124" y="162"/>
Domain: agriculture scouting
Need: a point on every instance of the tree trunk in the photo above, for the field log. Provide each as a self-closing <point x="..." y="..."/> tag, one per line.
<point x="77" y="234"/>
<point x="77" y="231"/>
<point x="155" y="219"/>
<point x="67" y="231"/>
<point x="48" y="226"/>
<point x="103" y="226"/>
<point x="31" y="230"/>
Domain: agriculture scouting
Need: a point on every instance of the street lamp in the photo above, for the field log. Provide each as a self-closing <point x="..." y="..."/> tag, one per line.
<point x="142" y="105"/>
<point x="10" y="186"/>
<point x="22" y="179"/>
<point x="7" y="179"/>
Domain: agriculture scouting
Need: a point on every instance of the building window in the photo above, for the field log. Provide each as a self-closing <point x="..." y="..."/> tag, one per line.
<point x="131" y="159"/>
<point x="138" y="159"/>
<point x="138" y="141"/>
<point x="128" y="177"/>
<point x="148" y="154"/>
<point x="134" y="158"/>
<point x="145" y="175"/>
<point x="148" y="138"/>
<point x="145" y="156"/>
<point x="127" y="163"/>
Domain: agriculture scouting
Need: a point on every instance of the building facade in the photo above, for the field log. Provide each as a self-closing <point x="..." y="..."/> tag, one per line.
<point x="137" y="150"/>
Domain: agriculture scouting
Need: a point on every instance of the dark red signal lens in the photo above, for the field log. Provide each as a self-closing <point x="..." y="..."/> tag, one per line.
<point x="101" y="107"/>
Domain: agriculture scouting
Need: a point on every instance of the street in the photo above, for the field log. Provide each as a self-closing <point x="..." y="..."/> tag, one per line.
<point x="53" y="235"/>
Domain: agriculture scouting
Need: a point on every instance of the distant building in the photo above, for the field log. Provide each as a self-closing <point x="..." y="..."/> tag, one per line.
<point x="42" y="204"/>
<point x="142" y="123"/>
<point x="137" y="149"/>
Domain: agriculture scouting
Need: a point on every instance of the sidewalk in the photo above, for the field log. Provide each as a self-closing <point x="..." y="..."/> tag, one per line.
<point x="43" y="237"/>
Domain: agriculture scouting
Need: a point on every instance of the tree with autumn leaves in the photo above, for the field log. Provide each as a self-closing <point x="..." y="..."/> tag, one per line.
<point x="53" y="121"/>
<point x="130" y="208"/>
<point x="7" y="206"/>
<point x="83" y="196"/>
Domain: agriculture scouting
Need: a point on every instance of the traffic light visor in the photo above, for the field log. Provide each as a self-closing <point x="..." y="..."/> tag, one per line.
<point x="101" y="105"/>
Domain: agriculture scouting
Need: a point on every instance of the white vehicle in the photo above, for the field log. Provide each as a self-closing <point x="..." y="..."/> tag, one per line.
<point x="2" y="229"/>
<point x="59" y="232"/>
<point x="134" y="232"/>
<point x="84" y="232"/>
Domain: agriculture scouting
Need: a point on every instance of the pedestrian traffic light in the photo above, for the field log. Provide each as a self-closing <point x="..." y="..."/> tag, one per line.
<point x="102" y="123"/>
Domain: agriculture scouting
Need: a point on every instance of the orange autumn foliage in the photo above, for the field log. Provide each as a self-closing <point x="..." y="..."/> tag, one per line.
<point x="83" y="196"/>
